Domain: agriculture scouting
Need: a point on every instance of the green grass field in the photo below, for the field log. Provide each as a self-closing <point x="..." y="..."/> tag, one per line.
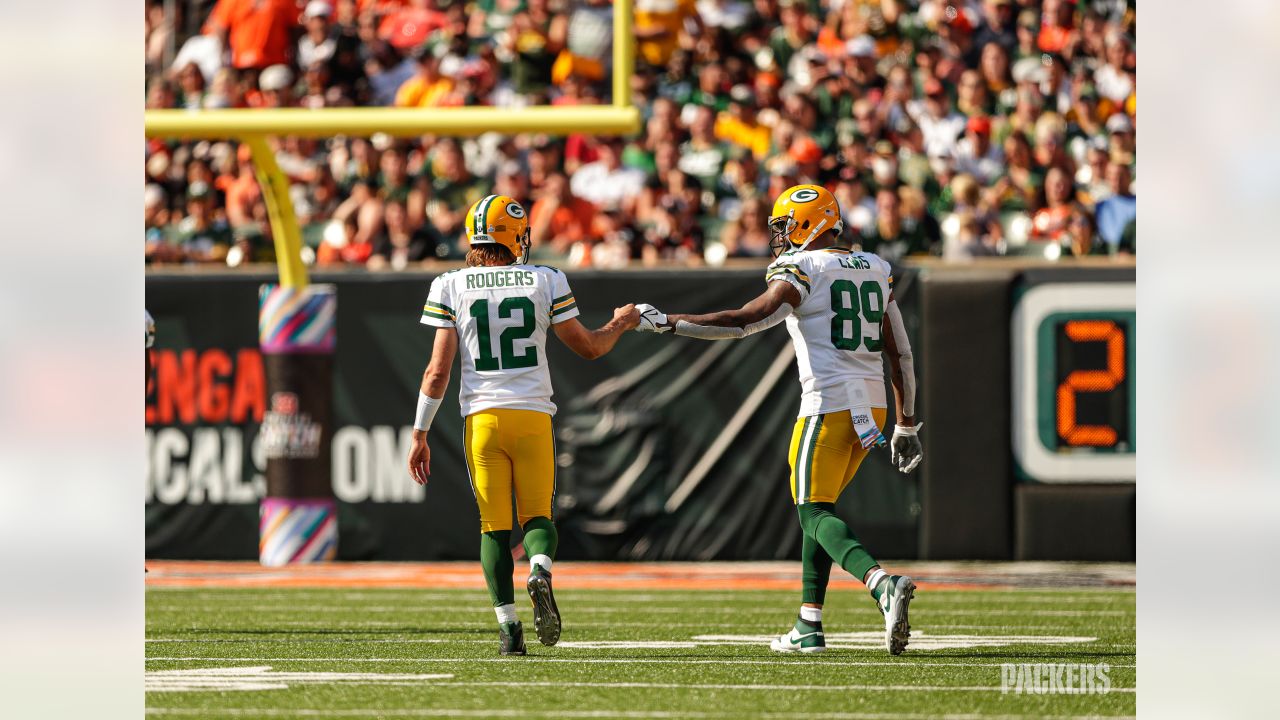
<point x="337" y="652"/>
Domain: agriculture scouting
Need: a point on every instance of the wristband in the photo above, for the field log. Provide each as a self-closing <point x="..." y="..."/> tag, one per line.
<point x="907" y="429"/>
<point x="427" y="407"/>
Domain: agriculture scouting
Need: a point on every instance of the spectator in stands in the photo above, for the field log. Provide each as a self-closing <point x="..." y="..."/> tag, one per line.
<point x="659" y="25"/>
<point x="259" y="32"/>
<point x="703" y="156"/>
<point x="940" y="125"/>
<point x="1050" y="221"/>
<point x="1079" y="238"/>
<point x="1120" y="208"/>
<point x="428" y="87"/>
<point x="889" y="237"/>
<point x="397" y="246"/>
<point x="976" y="154"/>
<point x="747" y="233"/>
<point x="276" y="86"/>
<point x="318" y="45"/>
<point x="558" y="220"/>
<point x="1113" y="79"/>
<point x="200" y="236"/>
<point x="453" y="189"/>
<point x="605" y="182"/>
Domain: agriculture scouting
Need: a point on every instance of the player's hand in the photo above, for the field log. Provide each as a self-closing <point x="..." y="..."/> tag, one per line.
<point x="905" y="451"/>
<point x="627" y="316"/>
<point x="419" y="459"/>
<point x="652" y="319"/>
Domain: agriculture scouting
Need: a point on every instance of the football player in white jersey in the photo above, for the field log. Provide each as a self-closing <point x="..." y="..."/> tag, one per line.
<point x="839" y="309"/>
<point x="497" y="311"/>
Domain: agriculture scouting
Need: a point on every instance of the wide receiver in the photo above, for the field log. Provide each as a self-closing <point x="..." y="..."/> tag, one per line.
<point x="839" y="309"/>
<point x="498" y="310"/>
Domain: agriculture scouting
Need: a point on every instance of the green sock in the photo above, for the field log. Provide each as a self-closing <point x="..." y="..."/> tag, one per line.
<point x="495" y="558"/>
<point x="815" y="571"/>
<point x="820" y="522"/>
<point x="540" y="538"/>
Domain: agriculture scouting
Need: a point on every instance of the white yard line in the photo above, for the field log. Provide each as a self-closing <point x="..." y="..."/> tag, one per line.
<point x="795" y="662"/>
<point x="733" y="686"/>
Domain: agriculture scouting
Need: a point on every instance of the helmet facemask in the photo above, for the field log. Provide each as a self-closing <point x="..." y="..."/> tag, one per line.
<point x="525" y="244"/>
<point x="780" y="229"/>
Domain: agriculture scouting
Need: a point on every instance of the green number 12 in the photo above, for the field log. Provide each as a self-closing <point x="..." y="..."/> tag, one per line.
<point x="854" y="303"/>
<point x="510" y="360"/>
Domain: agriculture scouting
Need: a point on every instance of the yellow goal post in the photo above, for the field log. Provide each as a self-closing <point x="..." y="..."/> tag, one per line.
<point x="253" y="126"/>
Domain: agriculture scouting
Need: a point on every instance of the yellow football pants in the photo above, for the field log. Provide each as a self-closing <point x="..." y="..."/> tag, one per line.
<point x="510" y="450"/>
<point x="825" y="455"/>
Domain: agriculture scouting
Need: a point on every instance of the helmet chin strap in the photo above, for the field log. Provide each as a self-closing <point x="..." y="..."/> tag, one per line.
<point x="813" y="235"/>
<point x="838" y="229"/>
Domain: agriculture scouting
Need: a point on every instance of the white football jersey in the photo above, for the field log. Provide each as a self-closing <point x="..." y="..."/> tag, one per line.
<point x="836" y="328"/>
<point x="502" y="315"/>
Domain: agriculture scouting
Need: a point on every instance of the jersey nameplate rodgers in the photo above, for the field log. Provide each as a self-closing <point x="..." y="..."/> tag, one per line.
<point x="502" y="314"/>
<point x="836" y="328"/>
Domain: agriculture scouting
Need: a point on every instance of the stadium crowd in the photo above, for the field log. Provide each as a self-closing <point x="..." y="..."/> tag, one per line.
<point x="953" y="128"/>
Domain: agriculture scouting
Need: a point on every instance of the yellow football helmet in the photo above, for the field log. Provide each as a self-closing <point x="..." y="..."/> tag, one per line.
<point x="801" y="215"/>
<point x="498" y="219"/>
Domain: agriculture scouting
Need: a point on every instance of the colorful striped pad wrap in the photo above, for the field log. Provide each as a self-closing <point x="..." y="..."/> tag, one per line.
<point x="297" y="320"/>
<point x="294" y="531"/>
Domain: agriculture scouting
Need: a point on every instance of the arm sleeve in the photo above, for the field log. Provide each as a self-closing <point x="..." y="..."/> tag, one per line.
<point x="563" y="306"/>
<point x="710" y="332"/>
<point x="791" y="271"/>
<point x="438" y="310"/>
<point x="905" y="360"/>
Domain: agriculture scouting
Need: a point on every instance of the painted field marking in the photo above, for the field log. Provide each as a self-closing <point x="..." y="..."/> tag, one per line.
<point x="460" y="712"/>
<point x="796" y="661"/>
<point x="871" y="640"/>
<point x="261" y="677"/>
<point x="737" y="686"/>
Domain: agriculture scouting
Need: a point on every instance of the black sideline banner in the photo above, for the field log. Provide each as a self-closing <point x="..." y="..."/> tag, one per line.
<point x="668" y="448"/>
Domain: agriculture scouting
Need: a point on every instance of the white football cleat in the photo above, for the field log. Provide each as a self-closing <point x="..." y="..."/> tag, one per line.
<point x="894" y="602"/>
<point x="796" y="641"/>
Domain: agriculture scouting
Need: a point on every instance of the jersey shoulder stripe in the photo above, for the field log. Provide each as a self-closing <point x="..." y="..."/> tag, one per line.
<point x="777" y="272"/>
<point x="563" y="307"/>
<point x="439" y="309"/>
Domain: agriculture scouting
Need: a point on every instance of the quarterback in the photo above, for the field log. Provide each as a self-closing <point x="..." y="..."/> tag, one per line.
<point x="496" y="311"/>
<point x="839" y="308"/>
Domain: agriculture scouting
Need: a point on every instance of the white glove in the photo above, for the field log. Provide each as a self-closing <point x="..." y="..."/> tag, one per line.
<point x="905" y="451"/>
<point x="651" y="319"/>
